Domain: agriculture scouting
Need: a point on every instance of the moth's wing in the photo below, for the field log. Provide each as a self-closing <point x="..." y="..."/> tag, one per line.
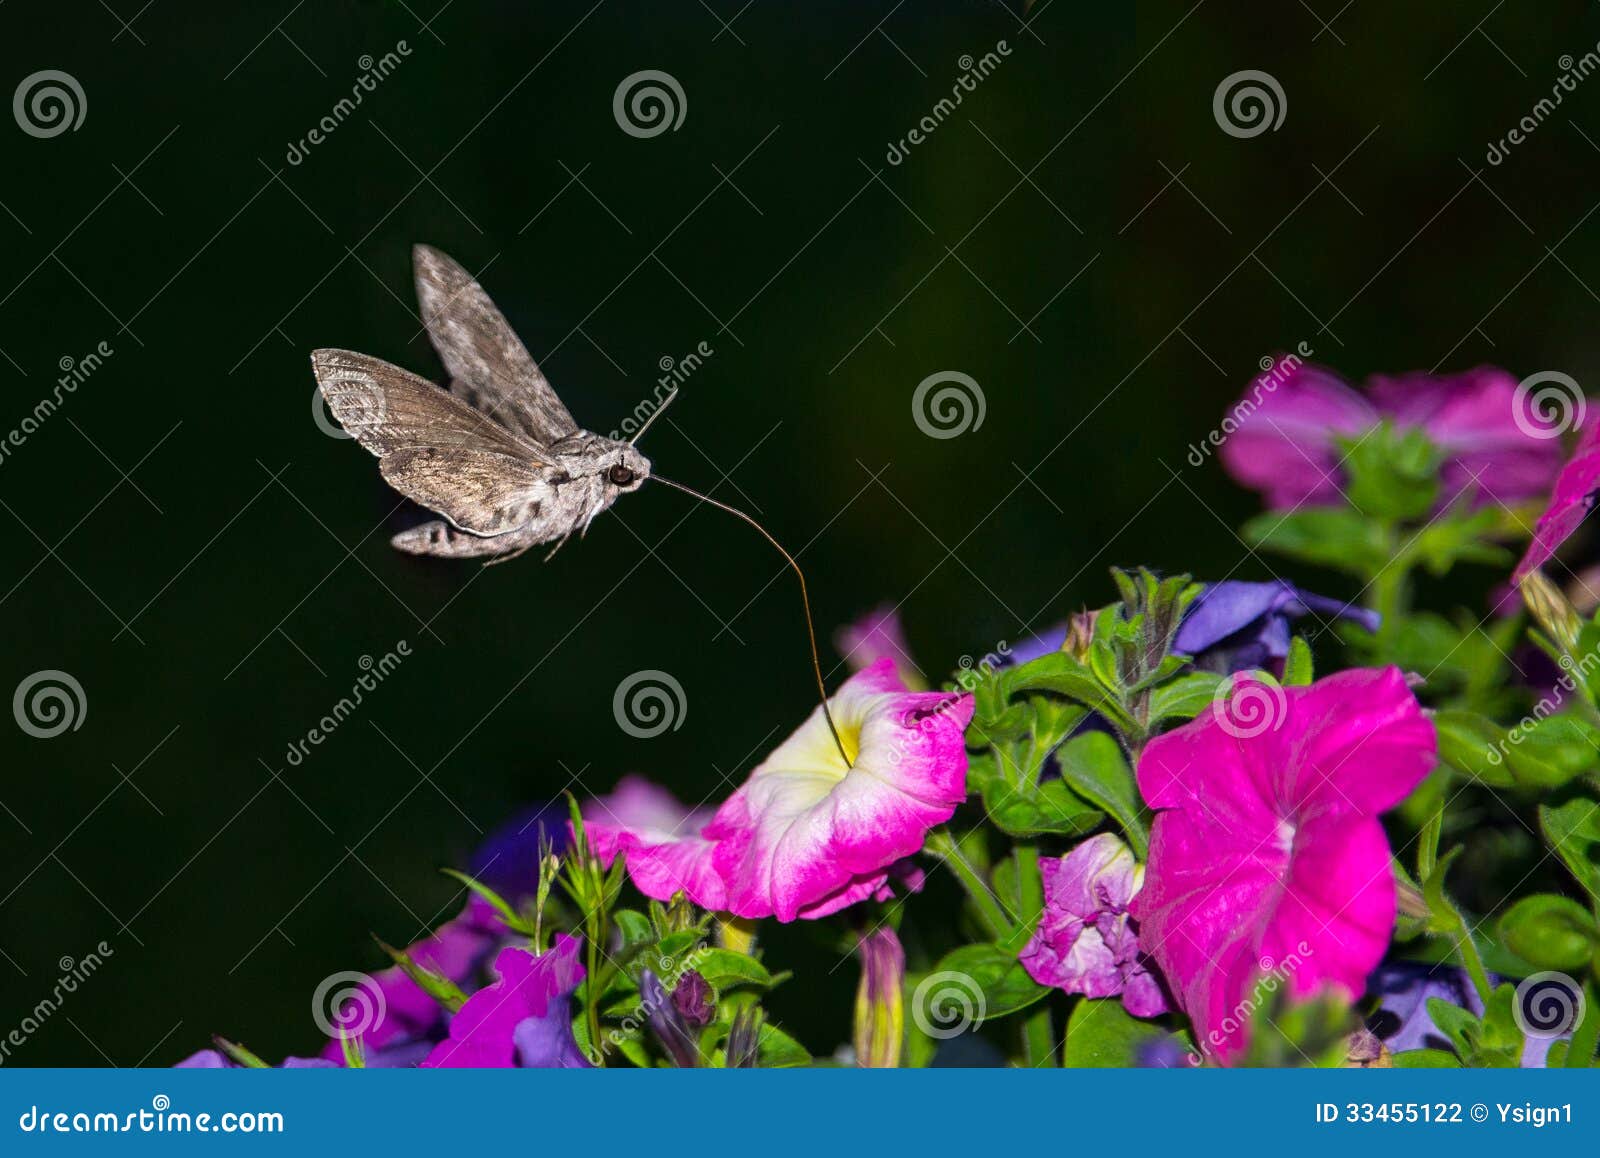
<point x="388" y="409"/>
<point x="481" y="491"/>
<point x="489" y="366"/>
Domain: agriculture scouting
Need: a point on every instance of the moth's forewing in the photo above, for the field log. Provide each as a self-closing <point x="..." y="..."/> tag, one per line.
<point x="489" y="366"/>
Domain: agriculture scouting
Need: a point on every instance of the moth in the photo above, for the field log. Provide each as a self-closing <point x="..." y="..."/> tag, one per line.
<point x="496" y="455"/>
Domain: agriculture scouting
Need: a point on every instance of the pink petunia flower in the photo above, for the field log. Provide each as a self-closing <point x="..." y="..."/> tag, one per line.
<point x="1085" y="941"/>
<point x="662" y="838"/>
<point x="1267" y="857"/>
<point x="1570" y="503"/>
<point x="808" y="834"/>
<point x="1288" y="423"/>
<point x="875" y="635"/>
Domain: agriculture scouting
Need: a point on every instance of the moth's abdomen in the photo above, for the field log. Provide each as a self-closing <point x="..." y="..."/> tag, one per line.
<point x="443" y="541"/>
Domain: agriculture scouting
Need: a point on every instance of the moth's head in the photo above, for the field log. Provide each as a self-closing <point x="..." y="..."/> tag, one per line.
<point x="625" y="469"/>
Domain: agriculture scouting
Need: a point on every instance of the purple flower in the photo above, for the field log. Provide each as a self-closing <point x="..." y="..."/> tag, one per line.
<point x="1402" y="1020"/>
<point x="524" y="1019"/>
<point x="875" y="635"/>
<point x="1237" y="626"/>
<point x="1570" y="502"/>
<point x="1085" y="941"/>
<point x="215" y="1059"/>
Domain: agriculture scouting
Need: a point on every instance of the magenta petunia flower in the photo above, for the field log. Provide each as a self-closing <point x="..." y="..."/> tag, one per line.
<point x="875" y="635"/>
<point x="1285" y="439"/>
<point x="1085" y="941"/>
<point x="524" y="1019"/>
<point x="1570" y="503"/>
<point x="808" y="834"/>
<point x="662" y="838"/>
<point x="1267" y="857"/>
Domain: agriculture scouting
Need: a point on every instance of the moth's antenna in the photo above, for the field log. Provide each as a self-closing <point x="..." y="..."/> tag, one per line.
<point x="805" y="599"/>
<point x="660" y="410"/>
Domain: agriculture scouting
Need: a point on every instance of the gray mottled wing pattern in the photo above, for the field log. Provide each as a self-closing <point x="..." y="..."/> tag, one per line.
<point x="479" y="491"/>
<point x="388" y="409"/>
<point x="489" y="366"/>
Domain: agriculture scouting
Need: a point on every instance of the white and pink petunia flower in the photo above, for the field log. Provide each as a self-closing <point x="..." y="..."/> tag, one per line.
<point x="808" y="833"/>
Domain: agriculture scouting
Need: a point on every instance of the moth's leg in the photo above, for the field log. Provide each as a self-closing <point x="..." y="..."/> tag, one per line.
<point x="517" y="554"/>
<point x="441" y="540"/>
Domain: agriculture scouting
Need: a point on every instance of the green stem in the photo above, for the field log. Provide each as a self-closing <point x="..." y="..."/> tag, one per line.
<point x="1471" y="959"/>
<point x="990" y="914"/>
<point x="1039" y="1037"/>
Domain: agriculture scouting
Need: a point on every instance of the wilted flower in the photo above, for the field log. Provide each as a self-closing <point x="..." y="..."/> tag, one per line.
<point x="1267" y="856"/>
<point x="1235" y="625"/>
<point x="1085" y="941"/>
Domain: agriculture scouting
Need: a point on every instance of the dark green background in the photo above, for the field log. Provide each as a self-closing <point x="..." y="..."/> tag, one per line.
<point x="829" y="284"/>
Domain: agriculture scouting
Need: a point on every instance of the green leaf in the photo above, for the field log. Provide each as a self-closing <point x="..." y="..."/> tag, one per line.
<point x="1051" y="807"/>
<point x="1335" y="537"/>
<point x="1552" y="752"/>
<point x="1425" y="1059"/>
<point x="1102" y="1033"/>
<point x="985" y="976"/>
<point x="1298" y="669"/>
<point x="780" y="1051"/>
<point x="1549" y="932"/>
<point x="436" y="985"/>
<point x="1457" y="1024"/>
<point x="724" y="969"/>
<point x="1473" y="745"/>
<point x="1573" y="830"/>
<point x="1060" y="673"/>
<point x="512" y="918"/>
<point x="1183" y="698"/>
<point x="1391" y="474"/>
<point x="1094" y="766"/>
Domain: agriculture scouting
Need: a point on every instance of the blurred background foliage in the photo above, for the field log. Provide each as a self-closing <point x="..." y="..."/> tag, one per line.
<point x="1079" y="236"/>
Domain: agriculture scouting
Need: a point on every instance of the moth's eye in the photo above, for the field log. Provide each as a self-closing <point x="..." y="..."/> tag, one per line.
<point x="621" y="476"/>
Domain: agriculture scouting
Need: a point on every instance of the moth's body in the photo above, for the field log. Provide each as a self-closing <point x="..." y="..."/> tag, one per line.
<point x="497" y="455"/>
